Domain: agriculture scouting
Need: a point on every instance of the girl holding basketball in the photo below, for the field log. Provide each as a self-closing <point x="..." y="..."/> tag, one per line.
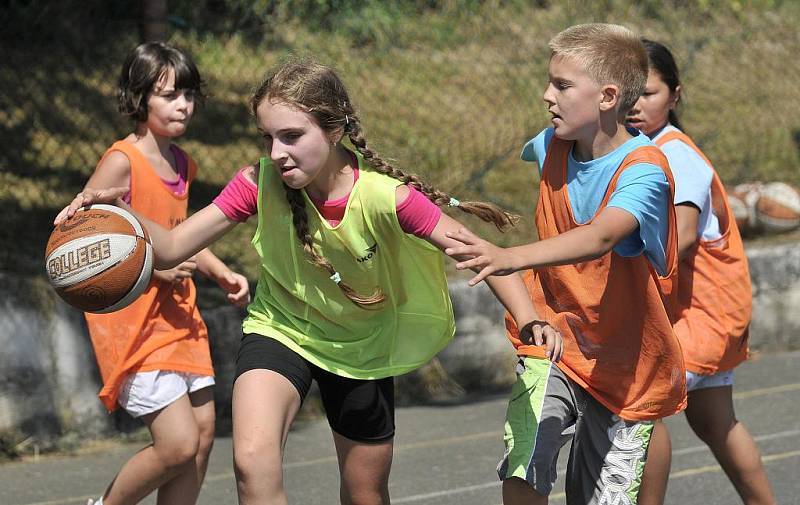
<point x="714" y="294"/>
<point x="153" y="355"/>
<point x="352" y="289"/>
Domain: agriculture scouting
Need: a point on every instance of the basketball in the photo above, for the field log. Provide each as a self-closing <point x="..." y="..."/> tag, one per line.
<point x="99" y="260"/>
<point x="748" y="194"/>
<point x="778" y="207"/>
<point x="740" y="211"/>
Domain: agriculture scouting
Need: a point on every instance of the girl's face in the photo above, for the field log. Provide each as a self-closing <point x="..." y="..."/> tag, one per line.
<point x="168" y="109"/>
<point x="651" y="111"/>
<point x="573" y="99"/>
<point x="299" y="148"/>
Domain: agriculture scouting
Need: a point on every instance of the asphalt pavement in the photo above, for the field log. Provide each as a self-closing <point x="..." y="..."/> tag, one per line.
<point x="446" y="454"/>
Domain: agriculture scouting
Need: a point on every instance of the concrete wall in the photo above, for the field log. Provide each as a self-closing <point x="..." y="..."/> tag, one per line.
<point x="775" y="272"/>
<point x="48" y="378"/>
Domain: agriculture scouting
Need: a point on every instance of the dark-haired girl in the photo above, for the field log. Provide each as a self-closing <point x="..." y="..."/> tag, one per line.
<point x="714" y="294"/>
<point x="153" y="355"/>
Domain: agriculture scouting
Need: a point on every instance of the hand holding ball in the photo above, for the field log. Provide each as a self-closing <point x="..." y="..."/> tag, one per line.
<point x="100" y="259"/>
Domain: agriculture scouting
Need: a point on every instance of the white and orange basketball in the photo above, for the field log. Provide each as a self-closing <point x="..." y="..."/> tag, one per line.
<point x="778" y="207"/>
<point x="747" y="193"/>
<point x="99" y="260"/>
<point x="740" y="211"/>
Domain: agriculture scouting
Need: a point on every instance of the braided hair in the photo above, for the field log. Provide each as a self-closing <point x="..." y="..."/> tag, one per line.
<point x="317" y="90"/>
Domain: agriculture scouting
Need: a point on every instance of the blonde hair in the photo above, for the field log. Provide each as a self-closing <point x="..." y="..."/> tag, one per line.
<point x="610" y="54"/>
<point x="318" y="91"/>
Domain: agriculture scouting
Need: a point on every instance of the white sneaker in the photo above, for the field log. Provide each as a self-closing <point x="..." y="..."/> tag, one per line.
<point x="90" y="502"/>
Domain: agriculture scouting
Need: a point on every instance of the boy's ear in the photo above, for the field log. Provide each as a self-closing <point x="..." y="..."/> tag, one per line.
<point x="610" y="97"/>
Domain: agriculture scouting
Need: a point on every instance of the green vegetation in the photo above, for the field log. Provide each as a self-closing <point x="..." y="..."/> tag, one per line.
<point x="449" y="89"/>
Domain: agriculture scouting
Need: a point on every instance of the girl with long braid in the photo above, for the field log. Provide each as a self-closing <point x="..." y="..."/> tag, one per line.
<point x="352" y="290"/>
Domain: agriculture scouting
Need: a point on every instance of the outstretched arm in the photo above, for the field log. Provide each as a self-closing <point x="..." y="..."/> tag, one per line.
<point x="511" y="292"/>
<point x="170" y="247"/>
<point x="579" y="244"/>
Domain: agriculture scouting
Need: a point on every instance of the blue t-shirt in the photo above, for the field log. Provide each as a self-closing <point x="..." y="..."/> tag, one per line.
<point x="693" y="179"/>
<point x="642" y="190"/>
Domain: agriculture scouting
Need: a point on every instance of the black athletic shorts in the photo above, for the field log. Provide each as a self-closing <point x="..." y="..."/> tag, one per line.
<point x="361" y="410"/>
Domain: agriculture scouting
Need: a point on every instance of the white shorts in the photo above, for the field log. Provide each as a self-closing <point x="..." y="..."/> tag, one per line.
<point x="696" y="381"/>
<point x="147" y="392"/>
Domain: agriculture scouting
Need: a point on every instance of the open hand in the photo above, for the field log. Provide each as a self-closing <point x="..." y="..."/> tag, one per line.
<point x="541" y="333"/>
<point x="87" y="197"/>
<point x="484" y="258"/>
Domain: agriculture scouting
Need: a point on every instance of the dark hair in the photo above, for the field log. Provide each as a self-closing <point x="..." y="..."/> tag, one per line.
<point x="318" y="91"/>
<point x="142" y="69"/>
<point x="662" y="61"/>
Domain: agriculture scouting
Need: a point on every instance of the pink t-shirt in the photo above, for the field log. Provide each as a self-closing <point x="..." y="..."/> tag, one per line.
<point x="417" y="215"/>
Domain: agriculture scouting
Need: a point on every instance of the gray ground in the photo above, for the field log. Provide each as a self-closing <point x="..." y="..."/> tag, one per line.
<point x="447" y="454"/>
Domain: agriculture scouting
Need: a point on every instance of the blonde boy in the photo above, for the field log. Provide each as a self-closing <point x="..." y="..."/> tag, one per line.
<point x="600" y="274"/>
